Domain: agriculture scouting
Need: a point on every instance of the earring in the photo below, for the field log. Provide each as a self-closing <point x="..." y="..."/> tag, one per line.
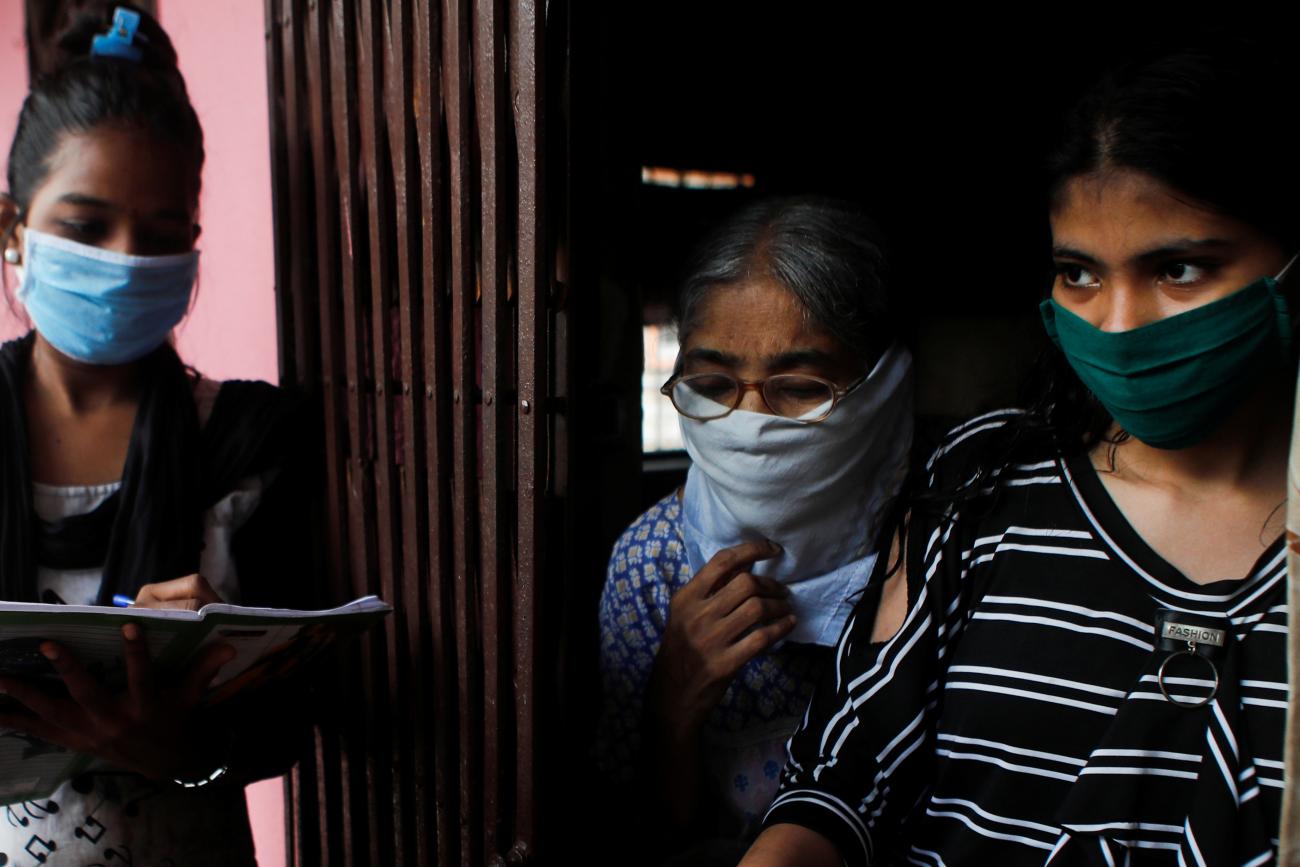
<point x="12" y="256"/>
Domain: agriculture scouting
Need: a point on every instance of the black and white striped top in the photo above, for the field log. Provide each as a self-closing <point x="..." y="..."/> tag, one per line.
<point x="1016" y="718"/>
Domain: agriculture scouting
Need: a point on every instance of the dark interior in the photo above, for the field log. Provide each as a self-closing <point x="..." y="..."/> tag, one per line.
<point x="939" y="132"/>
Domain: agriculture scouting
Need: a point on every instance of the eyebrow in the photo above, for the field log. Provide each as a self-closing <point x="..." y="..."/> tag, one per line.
<point x="1174" y="247"/>
<point x="1181" y="247"/>
<point x="713" y="356"/>
<point x="174" y="216"/>
<point x="82" y="200"/>
<point x="798" y="358"/>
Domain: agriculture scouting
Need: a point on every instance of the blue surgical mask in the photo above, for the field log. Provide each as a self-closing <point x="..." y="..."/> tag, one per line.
<point x="99" y="306"/>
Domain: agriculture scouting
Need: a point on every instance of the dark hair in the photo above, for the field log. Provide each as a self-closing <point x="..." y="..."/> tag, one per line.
<point x="1207" y="119"/>
<point x="84" y="91"/>
<point x="826" y="252"/>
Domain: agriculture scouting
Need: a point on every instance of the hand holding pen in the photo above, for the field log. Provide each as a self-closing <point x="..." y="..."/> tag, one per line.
<point x="188" y="594"/>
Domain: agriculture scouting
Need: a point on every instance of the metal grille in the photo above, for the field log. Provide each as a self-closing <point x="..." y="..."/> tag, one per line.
<point x="413" y="282"/>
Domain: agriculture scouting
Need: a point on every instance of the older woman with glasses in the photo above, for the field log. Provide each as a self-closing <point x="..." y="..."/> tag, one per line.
<point x="724" y="598"/>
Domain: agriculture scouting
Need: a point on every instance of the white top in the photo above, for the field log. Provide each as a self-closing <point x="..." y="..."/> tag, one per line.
<point x="220" y="523"/>
<point x="81" y="586"/>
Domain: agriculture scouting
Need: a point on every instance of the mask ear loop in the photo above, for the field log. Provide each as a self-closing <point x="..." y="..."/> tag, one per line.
<point x="1287" y="325"/>
<point x="1281" y="275"/>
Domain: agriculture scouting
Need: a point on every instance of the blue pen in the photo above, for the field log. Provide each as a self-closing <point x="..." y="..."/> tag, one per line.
<point x="122" y="601"/>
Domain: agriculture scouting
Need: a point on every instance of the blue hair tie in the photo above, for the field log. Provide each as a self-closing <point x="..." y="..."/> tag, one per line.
<point x="120" y="38"/>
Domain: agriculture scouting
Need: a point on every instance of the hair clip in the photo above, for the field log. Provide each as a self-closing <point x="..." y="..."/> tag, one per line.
<point x="120" y="38"/>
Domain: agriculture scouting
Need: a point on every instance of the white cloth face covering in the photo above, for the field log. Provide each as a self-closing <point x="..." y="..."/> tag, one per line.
<point x="818" y="490"/>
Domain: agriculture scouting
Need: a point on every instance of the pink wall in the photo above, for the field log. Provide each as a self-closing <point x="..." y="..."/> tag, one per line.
<point x="222" y="47"/>
<point x="231" y="331"/>
<point x="13" y="87"/>
<point x="13" y="71"/>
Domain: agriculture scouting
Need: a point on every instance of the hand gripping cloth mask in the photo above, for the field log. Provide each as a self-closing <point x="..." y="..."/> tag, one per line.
<point x="819" y="491"/>
<point x="99" y="306"/>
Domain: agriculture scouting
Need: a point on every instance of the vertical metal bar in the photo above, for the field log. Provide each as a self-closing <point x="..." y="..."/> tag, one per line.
<point x="399" y="107"/>
<point x="428" y="102"/>
<point x="298" y="347"/>
<point x="382" y="258"/>
<point x="312" y="843"/>
<point x="497" y="368"/>
<point x="365" y="827"/>
<point x="333" y="376"/>
<point x="333" y="837"/>
<point x="465" y="464"/>
<point x="385" y="484"/>
<point x="281" y="203"/>
<point x="528" y="89"/>
<point x="302" y="808"/>
<point x="300" y="788"/>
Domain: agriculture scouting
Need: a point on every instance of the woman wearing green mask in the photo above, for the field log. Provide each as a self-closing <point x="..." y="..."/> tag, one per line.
<point x="1084" y="663"/>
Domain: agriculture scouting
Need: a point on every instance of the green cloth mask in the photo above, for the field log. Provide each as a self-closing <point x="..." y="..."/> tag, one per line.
<point x="1172" y="382"/>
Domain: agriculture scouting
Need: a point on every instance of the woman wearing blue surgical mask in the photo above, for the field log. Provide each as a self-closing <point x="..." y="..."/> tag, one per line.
<point x="1084" y="662"/>
<point x="123" y="473"/>
<point x="795" y="403"/>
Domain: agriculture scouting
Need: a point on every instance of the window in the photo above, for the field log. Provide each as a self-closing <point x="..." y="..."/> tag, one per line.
<point x="659" y="430"/>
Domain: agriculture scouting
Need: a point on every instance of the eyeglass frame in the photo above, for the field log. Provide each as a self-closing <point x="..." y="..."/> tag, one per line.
<point x="743" y="386"/>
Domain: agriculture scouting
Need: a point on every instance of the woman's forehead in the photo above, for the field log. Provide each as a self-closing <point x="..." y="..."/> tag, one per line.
<point x="760" y="309"/>
<point x="1116" y="214"/>
<point x="762" y="326"/>
<point x="132" y="169"/>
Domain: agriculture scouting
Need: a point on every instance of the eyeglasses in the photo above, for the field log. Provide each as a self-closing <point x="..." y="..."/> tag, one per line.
<point x="706" y="396"/>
